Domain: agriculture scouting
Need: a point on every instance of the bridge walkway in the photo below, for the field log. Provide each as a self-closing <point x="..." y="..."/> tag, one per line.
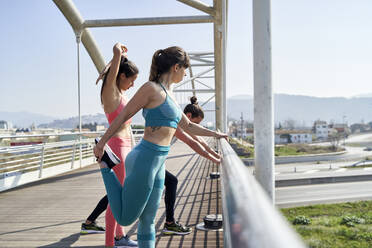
<point x="49" y="213"/>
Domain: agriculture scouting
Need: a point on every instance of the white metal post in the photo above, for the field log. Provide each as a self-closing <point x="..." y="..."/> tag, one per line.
<point x="78" y="39"/>
<point x="263" y="97"/>
<point x="42" y="161"/>
<point x="223" y="65"/>
<point x="73" y="155"/>
<point x="217" y="28"/>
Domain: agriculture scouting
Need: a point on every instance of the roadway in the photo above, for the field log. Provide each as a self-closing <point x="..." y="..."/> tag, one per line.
<point x="323" y="193"/>
<point x="335" y="166"/>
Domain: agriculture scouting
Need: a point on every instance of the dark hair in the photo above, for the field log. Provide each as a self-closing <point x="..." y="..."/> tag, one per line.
<point x="163" y="60"/>
<point x="126" y="66"/>
<point x="194" y="108"/>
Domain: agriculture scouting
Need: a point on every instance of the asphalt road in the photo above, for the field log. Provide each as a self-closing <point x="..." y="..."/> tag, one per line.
<point x="324" y="169"/>
<point x="333" y="167"/>
<point x="323" y="193"/>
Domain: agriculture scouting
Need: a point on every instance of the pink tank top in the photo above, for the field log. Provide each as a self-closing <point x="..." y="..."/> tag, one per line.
<point x="111" y="116"/>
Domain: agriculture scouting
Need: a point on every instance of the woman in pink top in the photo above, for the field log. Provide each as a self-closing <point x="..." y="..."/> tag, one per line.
<point x="118" y="76"/>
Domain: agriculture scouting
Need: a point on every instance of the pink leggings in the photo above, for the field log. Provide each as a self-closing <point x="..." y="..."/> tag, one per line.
<point x="121" y="147"/>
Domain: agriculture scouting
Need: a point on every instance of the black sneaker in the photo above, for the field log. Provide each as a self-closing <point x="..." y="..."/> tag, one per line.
<point x="176" y="228"/>
<point x="109" y="157"/>
<point x="91" y="228"/>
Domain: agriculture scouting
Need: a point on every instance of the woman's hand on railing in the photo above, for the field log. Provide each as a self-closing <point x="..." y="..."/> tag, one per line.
<point x="215" y="159"/>
<point x="220" y="135"/>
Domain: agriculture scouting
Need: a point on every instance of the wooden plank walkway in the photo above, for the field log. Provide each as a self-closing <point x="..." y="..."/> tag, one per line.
<point x="49" y="213"/>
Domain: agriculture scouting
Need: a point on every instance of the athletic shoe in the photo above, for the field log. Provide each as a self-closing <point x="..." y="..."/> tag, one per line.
<point x="125" y="242"/>
<point x="176" y="228"/>
<point x="109" y="157"/>
<point x="91" y="228"/>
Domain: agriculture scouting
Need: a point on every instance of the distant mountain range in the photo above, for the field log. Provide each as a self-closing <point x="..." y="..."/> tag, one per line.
<point x="25" y="119"/>
<point x="302" y="109"/>
<point x="74" y="121"/>
<point x="363" y="95"/>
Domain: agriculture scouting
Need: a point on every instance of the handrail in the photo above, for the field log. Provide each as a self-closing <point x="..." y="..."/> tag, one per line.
<point x="249" y="217"/>
<point x="28" y="163"/>
<point x="46" y="135"/>
<point x="135" y="131"/>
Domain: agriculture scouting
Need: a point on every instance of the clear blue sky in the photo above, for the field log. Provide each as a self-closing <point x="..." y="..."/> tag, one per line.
<point x="319" y="48"/>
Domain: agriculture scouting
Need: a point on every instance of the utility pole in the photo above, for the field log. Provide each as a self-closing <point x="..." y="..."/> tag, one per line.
<point x="344" y="122"/>
<point x="241" y="125"/>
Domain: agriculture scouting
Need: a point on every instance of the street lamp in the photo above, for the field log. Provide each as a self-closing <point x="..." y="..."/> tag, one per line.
<point x="344" y="122"/>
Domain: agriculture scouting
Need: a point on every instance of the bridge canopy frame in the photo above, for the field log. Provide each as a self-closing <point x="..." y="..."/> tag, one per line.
<point x="216" y="14"/>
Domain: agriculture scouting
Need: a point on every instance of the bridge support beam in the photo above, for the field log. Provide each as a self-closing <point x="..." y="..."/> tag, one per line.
<point x="220" y="29"/>
<point x="263" y="97"/>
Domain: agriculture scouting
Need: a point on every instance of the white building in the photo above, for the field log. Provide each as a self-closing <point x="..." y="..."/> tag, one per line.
<point x="293" y="136"/>
<point x="321" y="130"/>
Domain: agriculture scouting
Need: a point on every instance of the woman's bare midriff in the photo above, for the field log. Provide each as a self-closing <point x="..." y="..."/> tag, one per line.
<point x="161" y="136"/>
<point x="124" y="131"/>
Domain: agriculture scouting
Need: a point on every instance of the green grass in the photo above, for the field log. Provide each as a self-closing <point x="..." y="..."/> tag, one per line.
<point x="282" y="150"/>
<point x="341" y="225"/>
<point x="358" y="166"/>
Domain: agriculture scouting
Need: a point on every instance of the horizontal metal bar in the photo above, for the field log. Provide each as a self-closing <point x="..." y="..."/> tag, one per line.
<point x="251" y="218"/>
<point x="196" y="90"/>
<point x="200" y="6"/>
<point x="28" y="164"/>
<point x="10" y="162"/>
<point x="204" y="64"/>
<point x="200" y="53"/>
<point x="36" y="167"/>
<point x="45" y="135"/>
<point x="147" y="21"/>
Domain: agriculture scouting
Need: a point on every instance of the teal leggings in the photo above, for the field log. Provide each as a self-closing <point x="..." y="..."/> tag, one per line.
<point x="140" y="195"/>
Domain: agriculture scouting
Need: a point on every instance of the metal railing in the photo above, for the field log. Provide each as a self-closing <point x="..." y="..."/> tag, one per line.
<point x="28" y="163"/>
<point x="249" y="217"/>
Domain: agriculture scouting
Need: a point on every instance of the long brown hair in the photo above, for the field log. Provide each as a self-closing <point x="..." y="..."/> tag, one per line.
<point x="126" y="66"/>
<point x="163" y="60"/>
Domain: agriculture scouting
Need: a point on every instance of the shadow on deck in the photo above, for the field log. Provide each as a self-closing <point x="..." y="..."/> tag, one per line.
<point x="49" y="213"/>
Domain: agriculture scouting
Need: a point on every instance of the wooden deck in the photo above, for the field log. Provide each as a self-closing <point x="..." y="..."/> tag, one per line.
<point x="49" y="213"/>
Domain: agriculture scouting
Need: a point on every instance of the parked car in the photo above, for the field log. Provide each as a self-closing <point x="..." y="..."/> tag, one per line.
<point x="368" y="149"/>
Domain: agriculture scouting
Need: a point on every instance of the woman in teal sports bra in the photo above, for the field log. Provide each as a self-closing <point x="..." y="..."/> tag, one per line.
<point x="140" y="195"/>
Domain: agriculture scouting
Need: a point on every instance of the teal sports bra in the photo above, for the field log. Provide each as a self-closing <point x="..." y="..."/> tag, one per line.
<point x="167" y="114"/>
